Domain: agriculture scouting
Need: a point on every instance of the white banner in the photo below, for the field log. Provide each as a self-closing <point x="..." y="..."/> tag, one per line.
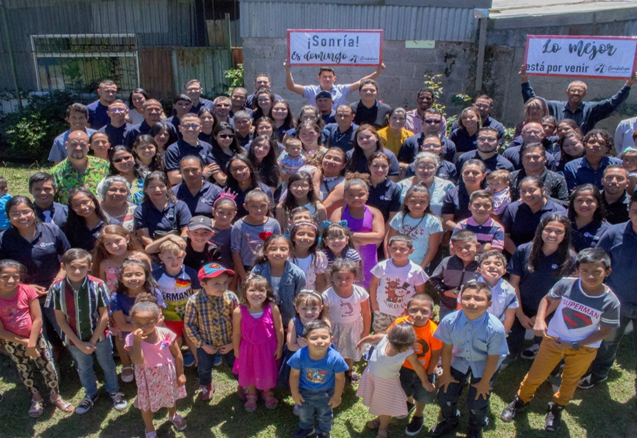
<point x="361" y="48"/>
<point x="581" y="56"/>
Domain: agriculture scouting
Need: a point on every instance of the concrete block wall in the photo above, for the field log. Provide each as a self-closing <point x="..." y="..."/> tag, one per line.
<point x="398" y="84"/>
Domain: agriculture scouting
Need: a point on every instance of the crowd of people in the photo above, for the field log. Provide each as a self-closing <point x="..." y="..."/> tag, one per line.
<point x="295" y="249"/>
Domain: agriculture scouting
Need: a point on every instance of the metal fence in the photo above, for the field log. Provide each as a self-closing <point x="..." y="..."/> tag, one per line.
<point x="50" y="45"/>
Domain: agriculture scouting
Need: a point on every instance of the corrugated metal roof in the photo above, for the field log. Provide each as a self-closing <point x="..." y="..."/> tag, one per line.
<point x="271" y="20"/>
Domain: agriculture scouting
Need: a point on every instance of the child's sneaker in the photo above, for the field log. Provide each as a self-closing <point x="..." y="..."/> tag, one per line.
<point x="119" y="404"/>
<point x="178" y="421"/>
<point x="218" y="360"/>
<point x="531" y="352"/>
<point x="588" y="381"/>
<point x="206" y="392"/>
<point x="443" y="427"/>
<point x="415" y="426"/>
<point x="86" y="404"/>
<point x="302" y="433"/>
<point x="189" y="359"/>
<point x="509" y="413"/>
<point x="553" y="419"/>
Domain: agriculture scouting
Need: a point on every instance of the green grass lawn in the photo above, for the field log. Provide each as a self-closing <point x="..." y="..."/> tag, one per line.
<point x="17" y="176"/>
<point x="604" y="411"/>
<point x="607" y="411"/>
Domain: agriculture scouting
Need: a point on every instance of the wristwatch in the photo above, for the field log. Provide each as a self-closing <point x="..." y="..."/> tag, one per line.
<point x="575" y="346"/>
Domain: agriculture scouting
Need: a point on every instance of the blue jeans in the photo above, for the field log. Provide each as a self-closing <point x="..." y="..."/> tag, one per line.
<point x="608" y="349"/>
<point x="316" y="406"/>
<point x="206" y="362"/>
<point x="84" y="366"/>
<point x="448" y="401"/>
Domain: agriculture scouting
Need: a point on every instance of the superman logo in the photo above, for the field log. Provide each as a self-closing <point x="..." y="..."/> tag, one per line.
<point x="575" y="320"/>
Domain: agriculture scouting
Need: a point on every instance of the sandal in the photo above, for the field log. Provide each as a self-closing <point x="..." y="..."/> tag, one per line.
<point x="37" y="408"/>
<point x="251" y="402"/>
<point x="353" y="377"/>
<point x="127" y="378"/>
<point x="270" y="400"/>
<point x="63" y="405"/>
<point x="373" y="424"/>
<point x="178" y="421"/>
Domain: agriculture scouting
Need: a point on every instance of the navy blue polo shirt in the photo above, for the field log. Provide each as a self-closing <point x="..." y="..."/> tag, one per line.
<point x="41" y="257"/>
<point x="97" y="115"/>
<point x="578" y="172"/>
<point x="57" y="213"/>
<point x="617" y="212"/>
<point x="456" y="202"/>
<point x="242" y="140"/>
<point x="202" y="103"/>
<point x="411" y="147"/>
<point x="446" y="170"/>
<point x="463" y="141"/>
<point x="175" y="122"/>
<point x="588" y="236"/>
<point x="83" y="237"/>
<point x="374" y="116"/>
<point x="358" y="163"/>
<point x="494" y="163"/>
<point x="521" y="222"/>
<point x="201" y="203"/>
<point x="328" y="118"/>
<point x="534" y="285"/>
<point x="343" y="140"/>
<point x="119" y="135"/>
<point x="385" y="197"/>
<point x="620" y="242"/>
<point x="175" y="216"/>
<point x="176" y="151"/>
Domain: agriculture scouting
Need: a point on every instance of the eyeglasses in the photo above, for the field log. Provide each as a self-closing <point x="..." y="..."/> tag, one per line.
<point x="223" y="105"/>
<point x="226" y="135"/>
<point x="426" y="167"/>
<point x="190" y="125"/>
<point x="576" y="91"/>
<point x="239" y="169"/>
<point x="117" y="110"/>
<point x="432" y="121"/>
<point x="119" y="160"/>
<point x="18" y="214"/>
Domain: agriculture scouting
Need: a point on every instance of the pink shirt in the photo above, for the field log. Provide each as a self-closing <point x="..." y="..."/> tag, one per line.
<point x="15" y="313"/>
<point x="156" y="354"/>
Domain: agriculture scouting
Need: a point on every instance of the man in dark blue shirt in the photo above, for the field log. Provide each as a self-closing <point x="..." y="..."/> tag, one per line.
<point x="194" y="91"/>
<point x="487" y="152"/>
<point x="199" y="203"/>
<point x="589" y="169"/>
<point x="181" y="106"/>
<point x="412" y="146"/>
<point x="341" y="133"/>
<point x="585" y="114"/>
<point x="614" y="195"/>
<point x="531" y="133"/>
<point x="152" y="115"/>
<point x="117" y="129"/>
<point x="324" y="104"/>
<point x="97" y="111"/>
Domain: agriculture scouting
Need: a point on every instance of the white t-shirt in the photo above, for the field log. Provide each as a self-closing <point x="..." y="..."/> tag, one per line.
<point x="397" y="285"/>
<point x="312" y="265"/>
<point x="578" y="315"/>
<point x="345" y="310"/>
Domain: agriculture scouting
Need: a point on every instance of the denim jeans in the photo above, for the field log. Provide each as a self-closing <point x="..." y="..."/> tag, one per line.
<point x="448" y="401"/>
<point x="316" y="406"/>
<point x="206" y="363"/>
<point x="608" y="349"/>
<point x="84" y="366"/>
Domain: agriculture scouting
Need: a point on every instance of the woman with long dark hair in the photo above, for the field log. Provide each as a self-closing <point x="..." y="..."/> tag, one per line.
<point x="366" y="142"/>
<point x="534" y="269"/>
<point x="242" y="178"/>
<point x="136" y="101"/>
<point x="86" y="219"/>
<point x="262" y="153"/>
<point x="588" y="221"/>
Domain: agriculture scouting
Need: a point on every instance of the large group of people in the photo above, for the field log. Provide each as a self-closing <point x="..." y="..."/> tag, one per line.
<point x="231" y="231"/>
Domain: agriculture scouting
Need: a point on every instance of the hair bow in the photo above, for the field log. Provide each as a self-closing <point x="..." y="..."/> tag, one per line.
<point x="342" y="223"/>
<point x="264" y="235"/>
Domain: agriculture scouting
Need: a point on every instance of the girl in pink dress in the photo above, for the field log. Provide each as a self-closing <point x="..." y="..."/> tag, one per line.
<point x="366" y="223"/>
<point x="257" y="334"/>
<point x="159" y="366"/>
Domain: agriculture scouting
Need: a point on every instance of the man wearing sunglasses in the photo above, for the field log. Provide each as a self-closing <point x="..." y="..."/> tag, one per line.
<point x="413" y="145"/>
<point x="416" y="117"/>
<point x="585" y="114"/>
<point x="188" y="144"/>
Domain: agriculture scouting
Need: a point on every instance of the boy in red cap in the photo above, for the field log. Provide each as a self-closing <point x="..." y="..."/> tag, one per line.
<point x="208" y="322"/>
